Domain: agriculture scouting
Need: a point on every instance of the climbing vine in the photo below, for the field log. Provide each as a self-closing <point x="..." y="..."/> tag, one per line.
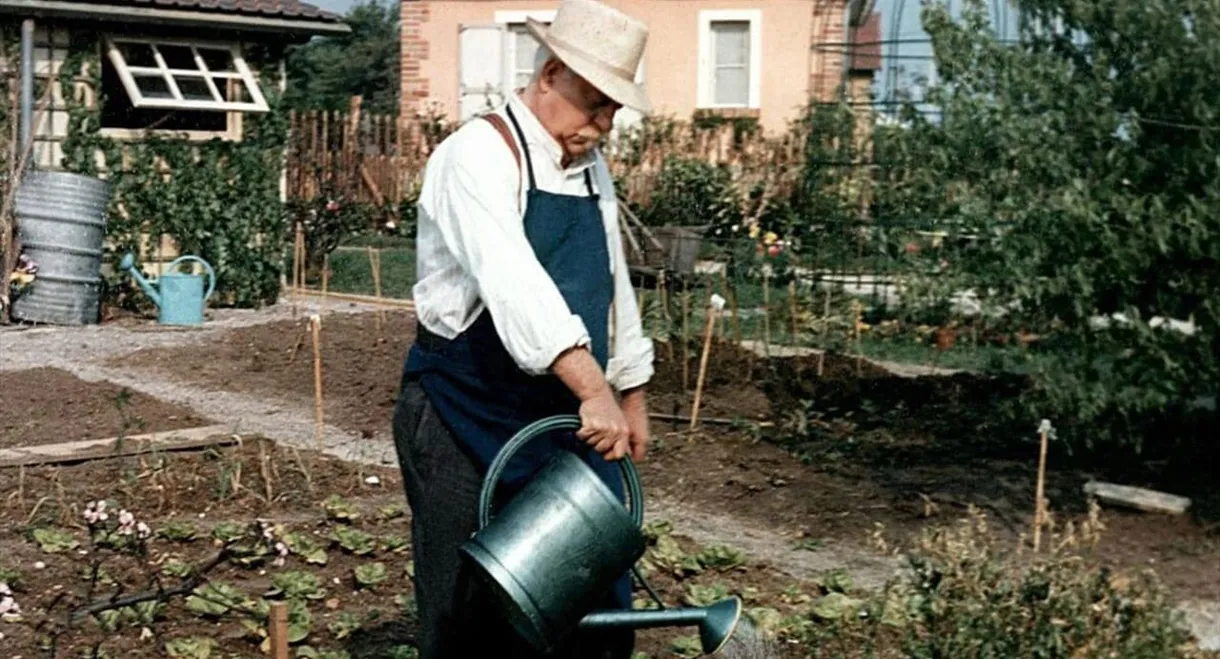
<point x="219" y="200"/>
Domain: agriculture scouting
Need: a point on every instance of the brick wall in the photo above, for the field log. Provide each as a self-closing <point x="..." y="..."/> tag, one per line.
<point x="826" y="54"/>
<point x="415" y="89"/>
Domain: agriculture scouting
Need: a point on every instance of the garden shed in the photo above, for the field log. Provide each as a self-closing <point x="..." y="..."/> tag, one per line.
<point x="175" y="103"/>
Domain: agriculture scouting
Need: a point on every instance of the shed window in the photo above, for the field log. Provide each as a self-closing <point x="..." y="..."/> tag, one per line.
<point x="185" y="75"/>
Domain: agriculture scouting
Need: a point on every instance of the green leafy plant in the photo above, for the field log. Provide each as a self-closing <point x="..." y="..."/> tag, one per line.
<point x="339" y="509"/>
<point x="229" y="532"/>
<point x="294" y="584"/>
<point x="353" y="541"/>
<point x="192" y="647"/>
<point x="369" y="575"/>
<point x="55" y="541"/>
<point x="306" y="547"/>
<point x="179" y="530"/>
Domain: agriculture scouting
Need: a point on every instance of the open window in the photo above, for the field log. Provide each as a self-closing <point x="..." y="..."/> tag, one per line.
<point x="154" y="84"/>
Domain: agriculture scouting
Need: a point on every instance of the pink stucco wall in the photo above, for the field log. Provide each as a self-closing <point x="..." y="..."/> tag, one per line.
<point x="791" y="69"/>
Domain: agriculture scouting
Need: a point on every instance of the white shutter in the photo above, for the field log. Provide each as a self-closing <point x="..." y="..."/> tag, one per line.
<point x="480" y="68"/>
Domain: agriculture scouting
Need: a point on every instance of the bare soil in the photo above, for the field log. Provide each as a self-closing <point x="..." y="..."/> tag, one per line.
<point x="818" y="461"/>
<point x="50" y="406"/>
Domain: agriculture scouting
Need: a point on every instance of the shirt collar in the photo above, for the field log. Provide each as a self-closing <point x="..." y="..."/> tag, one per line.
<point x="537" y="136"/>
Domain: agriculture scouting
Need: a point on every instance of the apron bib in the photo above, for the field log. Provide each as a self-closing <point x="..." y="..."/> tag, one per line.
<point x="480" y="393"/>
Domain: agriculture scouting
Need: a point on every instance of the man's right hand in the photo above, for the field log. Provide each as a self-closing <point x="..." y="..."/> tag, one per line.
<point x="603" y="424"/>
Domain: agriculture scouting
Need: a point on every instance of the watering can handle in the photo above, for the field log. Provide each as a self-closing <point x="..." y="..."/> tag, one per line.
<point x="562" y="422"/>
<point x="207" y="266"/>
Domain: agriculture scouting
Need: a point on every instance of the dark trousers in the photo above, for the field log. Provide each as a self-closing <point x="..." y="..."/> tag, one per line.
<point x="457" y="619"/>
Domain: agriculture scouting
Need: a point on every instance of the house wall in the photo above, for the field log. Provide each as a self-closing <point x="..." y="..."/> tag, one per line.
<point x="789" y="68"/>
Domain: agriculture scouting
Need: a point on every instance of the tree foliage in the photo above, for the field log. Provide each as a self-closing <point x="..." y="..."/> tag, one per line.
<point x="1083" y="161"/>
<point x="328" y="71"/>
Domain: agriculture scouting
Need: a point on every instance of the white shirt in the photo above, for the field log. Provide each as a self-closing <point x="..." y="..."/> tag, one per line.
<point x="472" y="252"/>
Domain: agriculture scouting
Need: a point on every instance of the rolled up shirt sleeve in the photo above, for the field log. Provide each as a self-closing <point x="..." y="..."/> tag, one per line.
<point x="475" y="206"/>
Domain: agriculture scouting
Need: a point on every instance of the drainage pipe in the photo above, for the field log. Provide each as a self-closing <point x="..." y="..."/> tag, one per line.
<point x="27" y="83"/>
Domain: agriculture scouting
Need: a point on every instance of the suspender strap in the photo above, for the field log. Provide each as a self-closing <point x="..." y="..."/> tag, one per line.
<point x="498" y="122"/>
<point x="529" y="161"/>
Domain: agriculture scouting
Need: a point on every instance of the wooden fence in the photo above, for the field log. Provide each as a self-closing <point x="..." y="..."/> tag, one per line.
<point x="366" y="157"/>
<point x="378" y="158"/>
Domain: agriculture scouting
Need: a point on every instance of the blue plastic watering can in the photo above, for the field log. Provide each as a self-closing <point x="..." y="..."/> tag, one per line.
<point x="181" y="297"/>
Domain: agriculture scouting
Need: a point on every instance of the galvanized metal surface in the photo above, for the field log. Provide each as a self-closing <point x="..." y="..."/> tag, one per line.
<point x="61" y="224"/>
<point x="555" y="549"/>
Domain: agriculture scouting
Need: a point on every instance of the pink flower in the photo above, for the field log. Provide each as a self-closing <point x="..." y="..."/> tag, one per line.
<point x="95" y="512"/>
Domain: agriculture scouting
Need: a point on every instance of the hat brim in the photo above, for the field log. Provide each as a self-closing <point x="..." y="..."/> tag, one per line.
<point x="624" y="92"/>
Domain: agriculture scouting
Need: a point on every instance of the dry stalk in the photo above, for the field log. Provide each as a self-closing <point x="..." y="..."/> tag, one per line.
<point x="264" y="469"/>
<point x="316" y="327"/>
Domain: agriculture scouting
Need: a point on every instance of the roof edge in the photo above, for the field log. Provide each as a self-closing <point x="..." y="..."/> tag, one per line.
<point x="178" y="17"/>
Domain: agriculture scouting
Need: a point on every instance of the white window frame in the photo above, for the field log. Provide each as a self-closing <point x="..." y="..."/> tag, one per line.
<point x="257" y="103"/>
<point x="705" y="94"/>
<point x="510" y="19"/>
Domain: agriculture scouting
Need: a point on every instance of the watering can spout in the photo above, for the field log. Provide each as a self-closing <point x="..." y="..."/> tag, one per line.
<point x="717" y="623"/>
<point x="129" y="264"/>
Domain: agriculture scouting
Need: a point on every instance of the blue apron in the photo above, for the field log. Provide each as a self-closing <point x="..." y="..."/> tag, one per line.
<point x="480" y="393"/>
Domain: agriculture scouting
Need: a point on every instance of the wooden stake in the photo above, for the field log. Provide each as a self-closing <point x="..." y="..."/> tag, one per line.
<point x="325" y="277"/>
<point x="713" y="309"/>
<point x="1039" y="504"/>
<point x="685" y="337"/>
<point x="825" y="325"/>
<point x="792" y="309"/>
<point x="767" y="311"/>
<point x="663" y="295"/>
<point x="316" y="325"/>
<point x="278" y="630"/>
<point x="724" y="288"/>
<point x="375" y="265"/>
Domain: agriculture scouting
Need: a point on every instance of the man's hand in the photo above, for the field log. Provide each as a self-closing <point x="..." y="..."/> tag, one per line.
<point x="603" y="425"/>
<point x="635" y="408"/>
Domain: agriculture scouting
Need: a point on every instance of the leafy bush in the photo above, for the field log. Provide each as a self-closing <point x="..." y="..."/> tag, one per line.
<point x="964" y="596"/>
<point x="689" y="192"/>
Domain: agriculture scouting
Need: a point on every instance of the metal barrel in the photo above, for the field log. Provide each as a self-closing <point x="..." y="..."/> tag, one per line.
<point x="62" y="226"/>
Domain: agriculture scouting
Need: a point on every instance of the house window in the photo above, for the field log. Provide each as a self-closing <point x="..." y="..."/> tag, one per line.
<point x="176" y="86"/>
<point x="730" y="58"/>
<point x="520" y="46"/>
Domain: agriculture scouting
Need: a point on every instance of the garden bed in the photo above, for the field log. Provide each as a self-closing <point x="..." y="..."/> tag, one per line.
<point x="50" y="406"/>
<point x="193" y="503"/>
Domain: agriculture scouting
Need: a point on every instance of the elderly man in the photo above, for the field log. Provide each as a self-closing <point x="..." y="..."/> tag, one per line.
<point x="526" y="311"/>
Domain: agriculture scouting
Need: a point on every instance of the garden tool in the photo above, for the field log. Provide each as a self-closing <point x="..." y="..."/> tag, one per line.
<point x="562" y="541"/>
<point x="181" y="296"/>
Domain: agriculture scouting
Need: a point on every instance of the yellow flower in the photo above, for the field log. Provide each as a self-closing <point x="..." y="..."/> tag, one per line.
<point x="770" y="237"/>
<point x="753" y="230"/>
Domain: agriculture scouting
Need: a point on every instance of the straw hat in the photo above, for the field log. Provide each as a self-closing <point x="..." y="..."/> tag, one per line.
<point x="601" y="44"/>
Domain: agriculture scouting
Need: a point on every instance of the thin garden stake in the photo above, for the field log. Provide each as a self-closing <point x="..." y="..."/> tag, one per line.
<point x="724" y="288"/>
<point x="767" y="310"/>
<point x="663" y="295"/>
<point x="1045" y="430"/>
<point x="685" y="336"/>
<point x="792" y="309"/>
<point x="823" y="329"/>
<point x="375" y="266"/>
<point x="713" y="310"/>
<point x="277" y="631"/>
<point x="325" y="277"/>
<point x="316" y="326"/>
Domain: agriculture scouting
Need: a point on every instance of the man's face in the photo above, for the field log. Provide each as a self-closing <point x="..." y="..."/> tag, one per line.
<point x="575" y="112"/>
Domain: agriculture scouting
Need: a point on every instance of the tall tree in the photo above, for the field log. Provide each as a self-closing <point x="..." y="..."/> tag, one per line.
<point x="326" y="72"/>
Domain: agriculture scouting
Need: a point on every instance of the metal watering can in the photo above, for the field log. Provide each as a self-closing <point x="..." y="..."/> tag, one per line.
<point x="181" y="297"/>
<point x="561" y="542"/>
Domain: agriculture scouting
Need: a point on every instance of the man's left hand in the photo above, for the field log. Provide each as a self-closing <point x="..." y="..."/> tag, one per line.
<point x="635" y="408"/>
